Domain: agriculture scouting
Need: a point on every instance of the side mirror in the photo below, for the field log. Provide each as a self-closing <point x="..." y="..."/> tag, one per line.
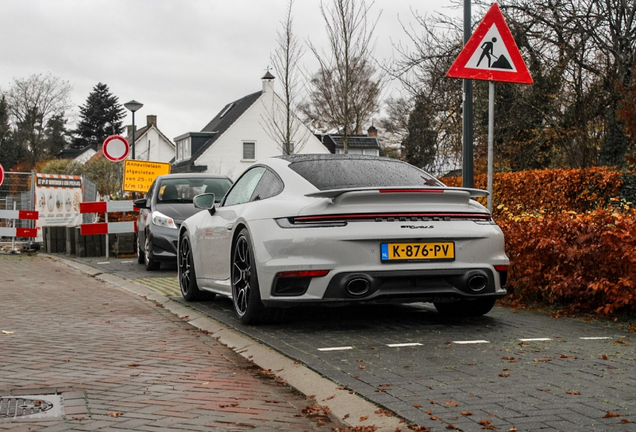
<point x="205" y="201"/>
<point x="141" y="203"/>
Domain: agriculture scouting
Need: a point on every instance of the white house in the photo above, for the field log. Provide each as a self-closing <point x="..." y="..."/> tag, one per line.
<point x="239" y="135"/>
<point x="82" y="155"/>
<point x="150" y="143"/>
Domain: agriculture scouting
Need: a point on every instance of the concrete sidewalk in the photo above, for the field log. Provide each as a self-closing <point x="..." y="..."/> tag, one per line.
<point x="124" y="362"/>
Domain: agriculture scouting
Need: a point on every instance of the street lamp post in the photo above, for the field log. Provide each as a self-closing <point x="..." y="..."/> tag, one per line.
<point x="133" y="106"/>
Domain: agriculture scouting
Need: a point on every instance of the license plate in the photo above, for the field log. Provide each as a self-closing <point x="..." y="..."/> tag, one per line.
<point x="438" y="251"/>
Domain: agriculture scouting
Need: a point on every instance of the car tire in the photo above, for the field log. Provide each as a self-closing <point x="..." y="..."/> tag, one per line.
<point x="246" y="296"/>
<point x="141" y="256"/>
<point x="151" y="264"/>
<point x="466" y="308"/>
<point x="186" y="272"/>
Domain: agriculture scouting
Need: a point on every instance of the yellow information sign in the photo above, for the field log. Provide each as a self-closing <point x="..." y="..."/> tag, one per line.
<point x="139" y="175"/>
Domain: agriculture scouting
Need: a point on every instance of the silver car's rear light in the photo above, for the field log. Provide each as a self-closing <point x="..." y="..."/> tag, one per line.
<point x="293" y="223"/>
<point x="343" y="219"/>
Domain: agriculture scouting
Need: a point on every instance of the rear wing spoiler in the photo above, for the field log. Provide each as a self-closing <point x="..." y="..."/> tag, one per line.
<point x="333" y="193"/>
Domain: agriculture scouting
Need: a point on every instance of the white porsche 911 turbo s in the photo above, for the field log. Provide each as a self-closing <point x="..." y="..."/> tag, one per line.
<point x="342" y="229"/>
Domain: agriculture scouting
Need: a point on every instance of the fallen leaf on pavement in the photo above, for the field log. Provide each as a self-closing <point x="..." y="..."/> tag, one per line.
<point x="611" y="414"/>
<point x="573" y="393"/>
<point x="7" y="332"/>
<point x="115" y="414"/>
<point x="452" y="403"/>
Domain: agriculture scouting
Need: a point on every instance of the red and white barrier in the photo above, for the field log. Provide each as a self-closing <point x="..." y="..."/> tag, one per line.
<point x="108" y="227"/>
<point x="22" y="215"/>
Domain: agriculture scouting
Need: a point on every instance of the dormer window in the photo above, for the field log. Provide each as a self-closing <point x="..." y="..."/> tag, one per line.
<point x="184" y="149"/>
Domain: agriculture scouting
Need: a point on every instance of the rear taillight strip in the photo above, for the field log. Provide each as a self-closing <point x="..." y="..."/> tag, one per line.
<point x="391" y="216"/>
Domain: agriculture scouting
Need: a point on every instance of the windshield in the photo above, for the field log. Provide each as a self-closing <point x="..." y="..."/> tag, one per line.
<point x="183" y="190"/>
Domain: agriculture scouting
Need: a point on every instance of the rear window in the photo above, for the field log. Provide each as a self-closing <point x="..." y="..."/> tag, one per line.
<point x="345" y="173"/>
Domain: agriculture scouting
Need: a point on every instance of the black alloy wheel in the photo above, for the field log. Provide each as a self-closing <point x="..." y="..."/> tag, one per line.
<point x="187" y="276"/>
<point x="245" y="291"/>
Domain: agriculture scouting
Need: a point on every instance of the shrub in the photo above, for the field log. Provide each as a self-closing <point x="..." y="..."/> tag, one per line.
<point x="570" y="238"/>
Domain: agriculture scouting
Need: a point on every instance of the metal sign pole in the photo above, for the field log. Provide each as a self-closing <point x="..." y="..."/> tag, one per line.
<point x="106" y="220"/>
<point x="491" y="131"/>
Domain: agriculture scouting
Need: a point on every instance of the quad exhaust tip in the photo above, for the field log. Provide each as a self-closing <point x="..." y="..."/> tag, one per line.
<point x="358" y="287"/>
<point x="477" y="283"/>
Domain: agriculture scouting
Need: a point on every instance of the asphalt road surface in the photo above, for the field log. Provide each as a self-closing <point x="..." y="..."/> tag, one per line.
<point x="510" y="370"/>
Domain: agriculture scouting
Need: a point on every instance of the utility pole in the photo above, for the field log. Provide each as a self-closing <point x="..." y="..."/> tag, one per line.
<point x="468" y="174"/>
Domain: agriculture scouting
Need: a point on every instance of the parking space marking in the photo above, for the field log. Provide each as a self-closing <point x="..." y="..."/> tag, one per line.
<point x="336" y="348"/>
<point x="535" y="340"/>
<point x="103" y="262"/>
<point x="400" y="345"/>
<point x="471" y="342"/>
<point x="595" y="337"/>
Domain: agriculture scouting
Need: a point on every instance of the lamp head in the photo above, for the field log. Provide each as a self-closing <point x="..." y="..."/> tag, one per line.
<point x="133" y="105"/>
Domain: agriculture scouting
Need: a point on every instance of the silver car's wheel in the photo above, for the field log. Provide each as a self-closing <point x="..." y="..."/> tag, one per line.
<point x="187" y="276"/>
<point x="245" y="292"/>
<point x="151" y="264"/>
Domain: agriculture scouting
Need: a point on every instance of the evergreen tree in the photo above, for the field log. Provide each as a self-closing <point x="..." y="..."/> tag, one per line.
<point x="56" y="134"/>
<point x="101" y="116"/>
<point x="419" y="148"/>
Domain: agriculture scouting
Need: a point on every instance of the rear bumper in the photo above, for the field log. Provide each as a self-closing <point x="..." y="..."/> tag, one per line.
<point x="407" y="286"/>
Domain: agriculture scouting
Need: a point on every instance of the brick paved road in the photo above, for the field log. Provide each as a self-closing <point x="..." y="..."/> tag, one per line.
<point x="471" y="374"/>
<point x="122" y="363"/>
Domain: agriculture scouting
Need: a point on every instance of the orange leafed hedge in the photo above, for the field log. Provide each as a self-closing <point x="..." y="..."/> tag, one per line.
<point x="571" y="241"/>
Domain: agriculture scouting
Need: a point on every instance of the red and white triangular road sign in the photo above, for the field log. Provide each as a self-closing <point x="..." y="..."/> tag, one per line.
<point x="491" y="53"/>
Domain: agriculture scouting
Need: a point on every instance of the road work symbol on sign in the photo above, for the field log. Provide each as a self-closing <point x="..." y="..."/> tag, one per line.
<point x="491" y="53"/>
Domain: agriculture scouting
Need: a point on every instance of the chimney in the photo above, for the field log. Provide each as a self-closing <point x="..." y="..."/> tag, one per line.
<point x="372" y="132"/>
<point x="151" y="120"/>
<point x="268" y="82"/>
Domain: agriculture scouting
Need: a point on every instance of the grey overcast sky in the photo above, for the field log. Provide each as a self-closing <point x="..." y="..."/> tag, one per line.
<point x="183" y="59"/>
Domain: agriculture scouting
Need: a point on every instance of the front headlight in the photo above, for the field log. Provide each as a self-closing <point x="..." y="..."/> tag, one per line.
<point x="162" y="220"/>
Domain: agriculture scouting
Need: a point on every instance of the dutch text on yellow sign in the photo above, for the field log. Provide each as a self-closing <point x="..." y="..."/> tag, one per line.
<point x="139" y="175"/>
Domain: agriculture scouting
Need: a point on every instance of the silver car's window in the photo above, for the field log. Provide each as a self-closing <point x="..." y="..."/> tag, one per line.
<point x="342" y="173"/>
<point x="243" y="189"/>
<point x="269" y="185"/>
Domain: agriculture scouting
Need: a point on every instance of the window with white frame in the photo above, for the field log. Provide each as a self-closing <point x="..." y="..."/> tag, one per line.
<point x="249" y="150"/>
<point x="184" y="149"/>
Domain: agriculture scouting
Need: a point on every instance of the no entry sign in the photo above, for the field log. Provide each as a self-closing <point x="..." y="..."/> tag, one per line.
<point x="115" y="148"/>
<point x="1" y="174"/>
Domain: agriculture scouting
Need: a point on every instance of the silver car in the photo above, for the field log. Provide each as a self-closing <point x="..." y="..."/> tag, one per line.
<point x="342" y="229"/>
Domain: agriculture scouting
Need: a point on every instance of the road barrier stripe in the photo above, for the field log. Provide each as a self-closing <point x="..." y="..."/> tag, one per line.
<point x="107" y="206"/>
<point x="19" y="214"/>
<point x="108" y="228"/>
<point x="18" y="232"/>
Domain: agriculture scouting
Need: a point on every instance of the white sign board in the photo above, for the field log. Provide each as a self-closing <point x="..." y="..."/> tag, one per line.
<point x="58" y="199"/>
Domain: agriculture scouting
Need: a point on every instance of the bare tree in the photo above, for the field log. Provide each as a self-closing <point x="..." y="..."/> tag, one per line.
<point x="344" y="91"/>
<point x="284" y="126"/>
<point x="34" y="103"/>
<point x="434" y="41"/>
